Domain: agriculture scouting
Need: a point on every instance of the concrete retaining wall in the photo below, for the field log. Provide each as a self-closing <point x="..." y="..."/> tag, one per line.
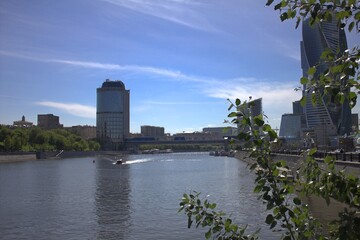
<point x="17" y="157"/>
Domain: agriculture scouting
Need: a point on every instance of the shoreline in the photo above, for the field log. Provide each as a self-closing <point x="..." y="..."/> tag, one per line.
<point x="12" y="157"/>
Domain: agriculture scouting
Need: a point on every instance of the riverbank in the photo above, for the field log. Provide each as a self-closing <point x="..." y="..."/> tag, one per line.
<point x="10" y="157"/>
<point x="17" y="157"/>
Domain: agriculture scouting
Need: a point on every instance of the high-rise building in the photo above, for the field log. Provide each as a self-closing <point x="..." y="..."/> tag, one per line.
<point x="112" y="115"/>
<point x="316" y="39"/>
<point x="297" y="108"/>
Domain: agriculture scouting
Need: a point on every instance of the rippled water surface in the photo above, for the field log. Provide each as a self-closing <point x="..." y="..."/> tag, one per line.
<point x="78" y="199"/>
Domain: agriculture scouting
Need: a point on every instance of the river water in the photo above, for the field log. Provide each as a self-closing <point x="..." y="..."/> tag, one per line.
<point x="78" y="199"/>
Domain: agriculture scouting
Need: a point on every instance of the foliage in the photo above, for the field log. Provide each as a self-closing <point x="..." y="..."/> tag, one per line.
<point x="205" y="215"/>
<point x="340" y="80"/>
<point x="277" y="190"/>
<point x="36" y="139"/>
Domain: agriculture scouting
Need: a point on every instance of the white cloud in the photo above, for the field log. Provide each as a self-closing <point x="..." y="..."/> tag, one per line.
<point x="181" y="12"/>
<point x="71" y="108"/>
<point x="277" y="98"/>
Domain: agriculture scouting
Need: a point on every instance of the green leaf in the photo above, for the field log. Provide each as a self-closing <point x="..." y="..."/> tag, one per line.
<point x="273" y="224"/>
<point x="277" y="6"/>
<point x="272" y="134"/>
<point x="212" y="206"/>
<point x="312" y="71"/>
<point x="266" y="127"/>
<point x="258" y="121"/>
<point x="269" y="2"/>
<point x="304" y="80"/>
<point x="208" y="234"/>
<point x="269" y="219"/>
<point x="351" y="26"/>
<point x="340" y="97"/>
<point x="284" y="16"/>
<point x="237" y="102"/>
<point x="297" y="201"/>
<point x="232" y="114"/>
<point x="312" y="151"/>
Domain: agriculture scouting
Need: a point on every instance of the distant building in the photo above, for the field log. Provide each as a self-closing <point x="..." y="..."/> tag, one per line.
<point x="86" y="132"/>
<point x="48" y="122"/>
<point x="152" y="131"/>
<point x="197" y="136"/>
<point x="297" y="108"/>
<point x="221" y="132"/>
<point x="355" y="122"/>
<point x="291" y="125"/>
<point x="112" y="115"/>
<point x="22" y="123"/>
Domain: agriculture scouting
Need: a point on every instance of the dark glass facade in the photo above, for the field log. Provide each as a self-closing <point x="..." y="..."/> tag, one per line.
<point x="316" y="39"/>
<point x="291" y="125"/>
<point x="112" y="115"/>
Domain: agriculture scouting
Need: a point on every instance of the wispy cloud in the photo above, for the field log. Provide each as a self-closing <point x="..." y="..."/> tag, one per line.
<point x="275" y="94"/>
<point x="71" y="108"/>
<point x="179" y="103"/>
<point x="170" y="74"/>
<point x="183" y="12"/>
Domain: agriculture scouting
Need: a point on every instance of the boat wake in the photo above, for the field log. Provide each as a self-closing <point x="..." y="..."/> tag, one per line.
<point x="138" y="161"/>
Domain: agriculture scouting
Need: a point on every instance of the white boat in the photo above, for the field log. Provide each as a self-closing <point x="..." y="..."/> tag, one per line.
<point x="119" y="161"/>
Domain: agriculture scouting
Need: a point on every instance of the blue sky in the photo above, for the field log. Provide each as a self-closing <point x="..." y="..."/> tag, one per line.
<point x="181" y="59"/>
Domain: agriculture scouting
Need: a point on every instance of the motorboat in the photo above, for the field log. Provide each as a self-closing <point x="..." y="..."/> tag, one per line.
<point x="119" y="161"/>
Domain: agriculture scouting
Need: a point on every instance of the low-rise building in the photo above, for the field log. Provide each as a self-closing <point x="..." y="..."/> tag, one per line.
<point x="22" y="123"/>
<point x="86" y="132"/>
<point x="152" y="131"/>
<point x="48" y="121"/>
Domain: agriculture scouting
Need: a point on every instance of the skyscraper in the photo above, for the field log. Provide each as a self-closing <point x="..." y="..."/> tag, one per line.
<point x="316" y="39"/>
<point x="112" y="115"/>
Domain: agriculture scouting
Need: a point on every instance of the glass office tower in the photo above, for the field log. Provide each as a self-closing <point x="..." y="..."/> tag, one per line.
<point x="112" y="115"/>
<point x="317" y="38"/>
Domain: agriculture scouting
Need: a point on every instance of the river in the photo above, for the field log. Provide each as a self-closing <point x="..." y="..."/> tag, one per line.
<point x="78" y="199"/>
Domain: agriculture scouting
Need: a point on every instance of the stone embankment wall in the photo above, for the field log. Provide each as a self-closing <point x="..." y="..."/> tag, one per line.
<point x="22" y="157"/>
<point x="17" y="157"/>
<point x="65" y="154"/>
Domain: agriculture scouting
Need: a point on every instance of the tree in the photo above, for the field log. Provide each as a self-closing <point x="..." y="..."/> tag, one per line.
<point x="339" y="81"/>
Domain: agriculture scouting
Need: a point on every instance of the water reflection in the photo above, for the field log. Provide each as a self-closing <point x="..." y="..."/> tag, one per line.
<point x="112" y="203"/>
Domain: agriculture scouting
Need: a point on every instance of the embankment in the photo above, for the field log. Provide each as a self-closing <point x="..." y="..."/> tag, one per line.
<point x="17" y="157"/>
<point x="30" y="156"/>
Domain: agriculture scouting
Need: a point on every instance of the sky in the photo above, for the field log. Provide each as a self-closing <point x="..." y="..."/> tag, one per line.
<point x="180" y="59"/>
